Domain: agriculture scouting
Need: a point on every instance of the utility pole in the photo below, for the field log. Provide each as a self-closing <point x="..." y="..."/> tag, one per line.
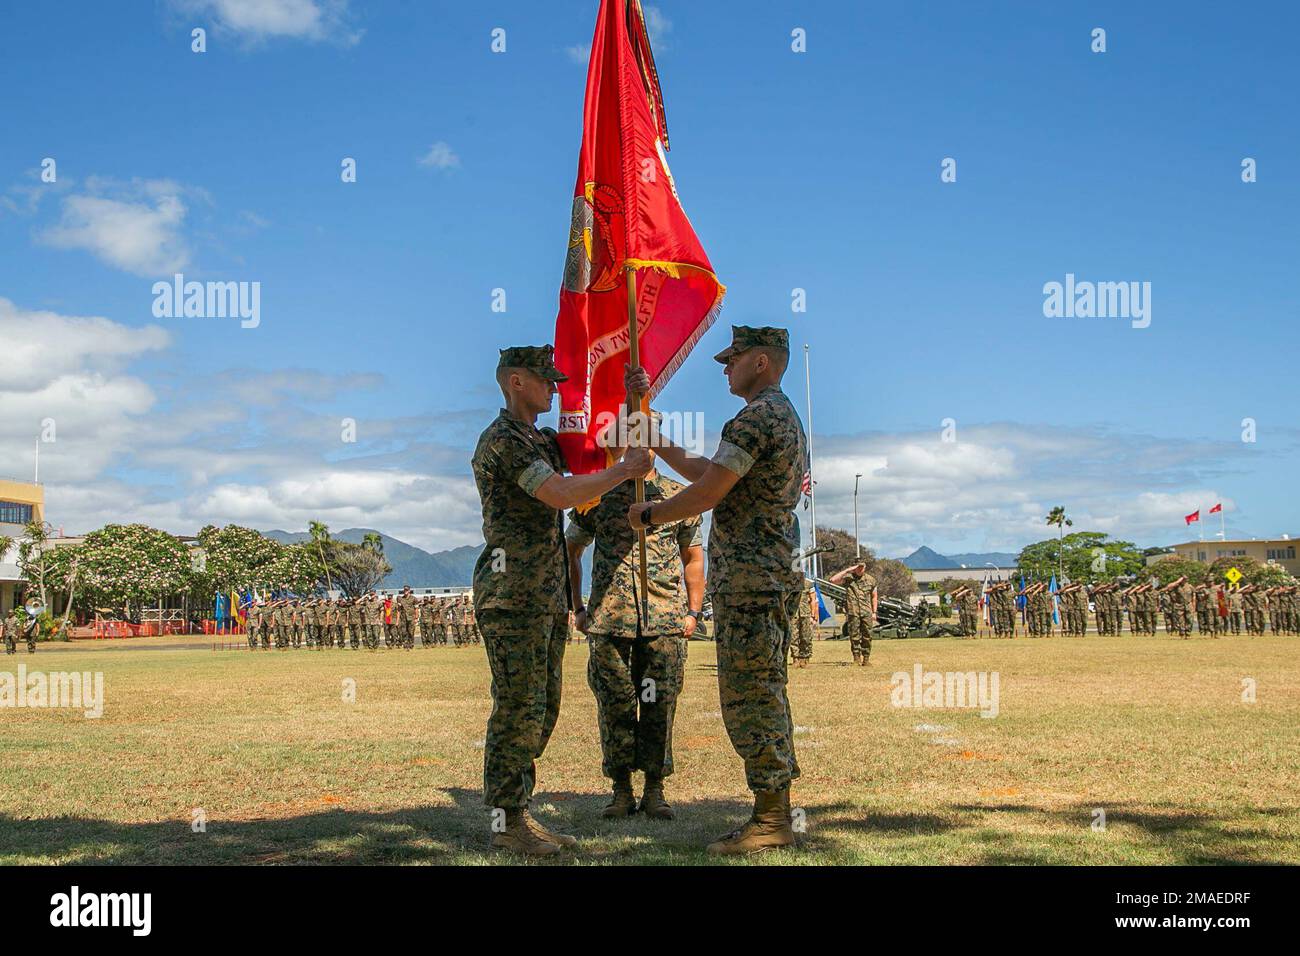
<point x="856" y="540"/>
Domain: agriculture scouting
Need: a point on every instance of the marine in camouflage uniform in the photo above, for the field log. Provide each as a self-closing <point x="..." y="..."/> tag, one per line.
<point x="804" y="627"/>
<point x="405" y="603"/>
<point x="253" y="625"/>
<point x="1003" y="609"/>
<point x="280" y="624"/>
<point x="449" y="623"/>
<point x="11" y="630"/>
<point x="859" y="609"/>
<point x="372" y="620"/>
<point x="635" y="663"/>
<point x="521" y="587"/>
<point x="354" y="622"/>
<point x="753" y="485"/>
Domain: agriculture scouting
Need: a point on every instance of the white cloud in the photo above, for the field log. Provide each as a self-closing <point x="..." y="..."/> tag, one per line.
<point x="657" y="25"/>
<point x="137" y="228"/>
<point x="579" y="53"/>
<point x="257" y="21"/>
<point x="41" y="347"/>
<point x="992" y="488"/>
<point x="440" y="156"/>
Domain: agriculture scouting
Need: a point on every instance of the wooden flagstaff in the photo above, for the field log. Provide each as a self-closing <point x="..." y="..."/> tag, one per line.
<point x="634" y="403"/>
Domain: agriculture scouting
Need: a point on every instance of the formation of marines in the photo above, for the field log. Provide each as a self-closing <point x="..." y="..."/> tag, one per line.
<point x="369" y="621"/>
<point x="1212" y="609"/>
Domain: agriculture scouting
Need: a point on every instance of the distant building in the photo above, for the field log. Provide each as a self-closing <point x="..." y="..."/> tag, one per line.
<point x="1280" y="551"/>
<point x="925" y="577"/>
<point x="20" y="503"/>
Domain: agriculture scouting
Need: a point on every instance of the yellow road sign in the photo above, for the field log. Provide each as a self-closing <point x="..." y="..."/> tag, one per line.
<point x="1233" y="575"/>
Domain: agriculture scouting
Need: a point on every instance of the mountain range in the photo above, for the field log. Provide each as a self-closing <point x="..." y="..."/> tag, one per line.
<point x="924" y="557"/>
<point x="411" y="565"/>
<point x="455" y="568"/>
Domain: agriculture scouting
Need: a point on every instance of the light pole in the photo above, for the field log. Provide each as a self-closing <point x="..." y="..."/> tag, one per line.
<point x="856" y="540"/>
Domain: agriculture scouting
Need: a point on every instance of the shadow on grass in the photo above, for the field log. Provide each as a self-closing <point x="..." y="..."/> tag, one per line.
<point x="458" y="833"/>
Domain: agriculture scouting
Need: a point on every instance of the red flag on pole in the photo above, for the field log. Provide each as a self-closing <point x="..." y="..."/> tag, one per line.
<point x="626" y="214"/>
<point x="1194" y="516"/>
<point x="1217" y="508"/>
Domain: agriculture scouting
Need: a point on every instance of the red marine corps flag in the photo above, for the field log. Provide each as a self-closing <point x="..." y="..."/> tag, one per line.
<point x="628" y="232"/>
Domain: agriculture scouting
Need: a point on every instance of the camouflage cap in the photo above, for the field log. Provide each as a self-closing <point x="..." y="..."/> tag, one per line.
<point x="744" y="338"/>
<point x="535" y="358"/>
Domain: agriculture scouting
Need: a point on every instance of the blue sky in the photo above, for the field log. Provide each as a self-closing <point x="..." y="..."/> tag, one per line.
<point x="816" y="170"/>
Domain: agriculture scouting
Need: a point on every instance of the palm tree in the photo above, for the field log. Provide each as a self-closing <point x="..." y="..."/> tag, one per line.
<point x="320" y="534"/>
<point x="373" y="541"/>
<point x="1058" y="517"/>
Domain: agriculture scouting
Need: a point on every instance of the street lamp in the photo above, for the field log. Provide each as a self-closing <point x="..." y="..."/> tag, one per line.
<point x="856" y="540"/>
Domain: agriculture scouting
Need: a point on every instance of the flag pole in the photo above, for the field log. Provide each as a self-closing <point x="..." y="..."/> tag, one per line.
<point x="815" y="559"/>
<point x="633" y="399"/>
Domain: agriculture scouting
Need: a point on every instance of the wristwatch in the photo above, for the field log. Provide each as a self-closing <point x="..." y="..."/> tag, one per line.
<point x="694" y="614"/>
<point x="645" y="518"/>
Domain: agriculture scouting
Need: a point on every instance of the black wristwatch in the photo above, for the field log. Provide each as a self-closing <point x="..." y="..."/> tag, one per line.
<point x="645" y="518"/>
<point x="694" y="614"/>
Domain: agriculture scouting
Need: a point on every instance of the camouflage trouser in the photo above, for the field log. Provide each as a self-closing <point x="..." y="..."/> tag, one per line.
<point x="370" y="635"/>
<point x="968" y="623"/>
<point x="408" y="635"/>
<point x="617" y="671"/>
<point x="753" y="643"/>
<point x="252" y="638"/>
<point x="801" y="640"/>
<point x="525" y="652"/>
<point x="10" y="645"/>
<point x="859" y="631"/>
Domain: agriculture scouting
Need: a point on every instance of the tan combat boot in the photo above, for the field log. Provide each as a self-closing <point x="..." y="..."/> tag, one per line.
<point x="624" y="802"/>
<point x="653" y="803"/>
<point x="559" y="839"/>
<point x="768" y="827"/>
<point x="519" y="838"/>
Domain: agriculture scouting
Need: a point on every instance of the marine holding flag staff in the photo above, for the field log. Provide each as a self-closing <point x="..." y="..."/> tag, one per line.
<point x="752" y="485"/>
<point x="521" y="594"/>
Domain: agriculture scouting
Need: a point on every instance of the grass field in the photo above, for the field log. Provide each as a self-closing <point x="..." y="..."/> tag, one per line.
<point x="1152" y="731"/>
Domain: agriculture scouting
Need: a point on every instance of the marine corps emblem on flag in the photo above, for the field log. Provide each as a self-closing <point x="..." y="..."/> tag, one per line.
<point x="596" y="241"/>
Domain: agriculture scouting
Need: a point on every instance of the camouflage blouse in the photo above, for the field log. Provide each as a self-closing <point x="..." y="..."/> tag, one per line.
<point x="615" y="578"/>
<point x="522" y="566"/>
<point x="755" y="534"/>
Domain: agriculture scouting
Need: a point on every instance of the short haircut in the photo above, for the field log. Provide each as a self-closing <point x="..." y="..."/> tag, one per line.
<point x="778" y="357"/>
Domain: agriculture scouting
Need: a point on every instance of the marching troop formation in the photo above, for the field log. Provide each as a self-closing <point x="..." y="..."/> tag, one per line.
<point x="368" y="621"/>
<point x="1214" y="608"/>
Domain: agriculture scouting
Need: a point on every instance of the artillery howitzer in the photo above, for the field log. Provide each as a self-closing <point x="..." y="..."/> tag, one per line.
<point x="897" y="618"/>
